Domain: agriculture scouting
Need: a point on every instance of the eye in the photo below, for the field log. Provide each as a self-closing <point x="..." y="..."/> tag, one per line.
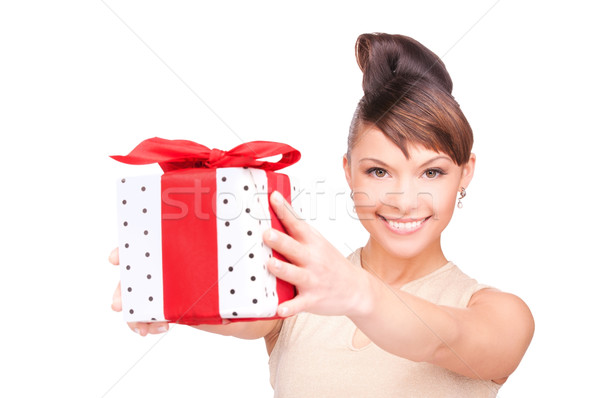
<point x="377" y="172"/>
<point x="433" y="173"/>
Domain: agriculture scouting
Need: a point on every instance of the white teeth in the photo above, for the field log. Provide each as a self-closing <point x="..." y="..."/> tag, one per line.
<point x="405" y="225"/>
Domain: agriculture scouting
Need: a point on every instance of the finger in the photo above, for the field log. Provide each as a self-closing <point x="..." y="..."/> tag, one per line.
<point x="158" y="327"/>
<point x="293" y="224"/>
<point x="284" y="244"/>
<point x="293" y="306"/>
<point x="139" y="327"/>
<point x="113" y="257"/>
<point x="116" y="301"/>
<point x="143" y="328"/>
<point x="288" y="272"/>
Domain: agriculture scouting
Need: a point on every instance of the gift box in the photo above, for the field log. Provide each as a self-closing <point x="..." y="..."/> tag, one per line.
<point x="190" y="240"/>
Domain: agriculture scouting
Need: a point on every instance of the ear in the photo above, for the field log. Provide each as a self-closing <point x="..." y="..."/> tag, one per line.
<point x="346" y="165"/>
<point x="467" y="171"/>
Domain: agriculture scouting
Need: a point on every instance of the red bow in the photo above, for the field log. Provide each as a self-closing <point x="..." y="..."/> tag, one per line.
<point x="183" y="154"/>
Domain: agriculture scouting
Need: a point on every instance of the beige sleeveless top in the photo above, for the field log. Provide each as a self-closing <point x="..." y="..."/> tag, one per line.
<point x="314" y="355"/>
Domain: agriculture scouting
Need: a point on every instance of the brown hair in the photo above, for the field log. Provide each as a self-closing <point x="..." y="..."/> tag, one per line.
<point x="408" y="96"/>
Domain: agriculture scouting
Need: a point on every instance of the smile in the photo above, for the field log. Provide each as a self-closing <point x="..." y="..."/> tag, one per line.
<point x="404" y="228"/>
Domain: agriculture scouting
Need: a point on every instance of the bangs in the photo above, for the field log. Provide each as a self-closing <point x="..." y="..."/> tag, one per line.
<point x="421" y="116"/>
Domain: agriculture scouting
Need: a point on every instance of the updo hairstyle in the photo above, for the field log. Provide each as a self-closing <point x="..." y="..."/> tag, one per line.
<point x="408" y="96"/>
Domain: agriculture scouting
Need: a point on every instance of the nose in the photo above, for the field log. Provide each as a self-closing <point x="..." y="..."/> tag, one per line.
<point x="403" y="198"/>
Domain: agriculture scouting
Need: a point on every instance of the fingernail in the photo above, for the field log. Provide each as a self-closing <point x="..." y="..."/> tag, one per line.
<point x="136" y="330"/>
<point x="274" y="263"/>
<point x="276" y="196"/>
<point x="283" y="311"/>
<point x="162" y="329"/>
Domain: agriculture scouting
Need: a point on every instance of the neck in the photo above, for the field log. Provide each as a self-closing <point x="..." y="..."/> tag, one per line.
<point x="397" y="270"/>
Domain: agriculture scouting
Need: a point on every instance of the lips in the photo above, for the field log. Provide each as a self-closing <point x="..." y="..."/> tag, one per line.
<point x="404" y="226"/>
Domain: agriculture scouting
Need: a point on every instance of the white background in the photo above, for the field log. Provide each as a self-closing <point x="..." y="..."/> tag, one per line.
<point x="81" y="80"/>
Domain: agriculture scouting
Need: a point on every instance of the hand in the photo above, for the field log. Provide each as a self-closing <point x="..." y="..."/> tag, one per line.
<point x="141" y="328"/>
<point x="327" y="283"/>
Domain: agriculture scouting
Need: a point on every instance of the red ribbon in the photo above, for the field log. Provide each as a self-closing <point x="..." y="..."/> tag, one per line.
<point x="183" y="154"/>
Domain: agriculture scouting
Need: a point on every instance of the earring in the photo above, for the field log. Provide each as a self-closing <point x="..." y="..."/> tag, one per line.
<point x="463" y="193"/>
<point x="351" y="194"/>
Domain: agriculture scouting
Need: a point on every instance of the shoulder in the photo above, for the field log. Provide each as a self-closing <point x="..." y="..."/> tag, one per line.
<point x="492" y="332"/>
<point x="501" y="304"/>
<point x="502" y="310"/>
<point x="505" y="311"/>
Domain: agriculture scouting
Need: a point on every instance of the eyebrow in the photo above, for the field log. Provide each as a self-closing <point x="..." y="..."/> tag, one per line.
<point x="384" y="164"/>
<point x="424" y="164"/>
<point x="436" y="158"/>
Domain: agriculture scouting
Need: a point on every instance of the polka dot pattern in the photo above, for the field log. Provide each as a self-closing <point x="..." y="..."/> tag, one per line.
<point x="299" y="198"/>
<point x="246" y="288"/>
<point x="139" y="210"/>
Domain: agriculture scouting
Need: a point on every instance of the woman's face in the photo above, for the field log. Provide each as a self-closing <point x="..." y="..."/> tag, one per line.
<point x="404" y="204"/>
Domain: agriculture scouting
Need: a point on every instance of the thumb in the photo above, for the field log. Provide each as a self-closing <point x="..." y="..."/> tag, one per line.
<point x="113" y="258"/>
<point x="116" y="303"/>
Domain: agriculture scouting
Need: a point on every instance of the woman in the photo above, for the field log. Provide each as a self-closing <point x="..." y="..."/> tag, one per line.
<point x="395" y="318"/>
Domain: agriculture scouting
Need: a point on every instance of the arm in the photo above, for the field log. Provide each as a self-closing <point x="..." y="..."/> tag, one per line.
<point x="486" y="340"/>
<point x="242" y="330"/>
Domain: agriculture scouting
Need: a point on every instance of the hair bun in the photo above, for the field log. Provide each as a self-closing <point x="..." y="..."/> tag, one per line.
<point x="383" y="58"/>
